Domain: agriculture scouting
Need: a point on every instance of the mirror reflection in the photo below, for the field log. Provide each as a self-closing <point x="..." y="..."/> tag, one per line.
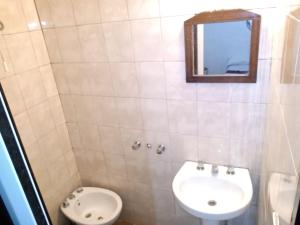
<point x="222" y="49"/>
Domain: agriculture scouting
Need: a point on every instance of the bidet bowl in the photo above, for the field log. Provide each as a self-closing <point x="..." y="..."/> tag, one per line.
<point x="93" y="206"/>
<point x="212" y="197"/>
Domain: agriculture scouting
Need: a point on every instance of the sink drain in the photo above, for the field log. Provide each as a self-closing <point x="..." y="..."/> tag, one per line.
<point x="88" y="215"/>
<point x="212" y="203"/>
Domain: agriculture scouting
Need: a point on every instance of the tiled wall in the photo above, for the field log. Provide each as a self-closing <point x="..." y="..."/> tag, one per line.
<point x="119" y="68"/>
<point x="31" y="91"/>
<point x="281" y="148"/>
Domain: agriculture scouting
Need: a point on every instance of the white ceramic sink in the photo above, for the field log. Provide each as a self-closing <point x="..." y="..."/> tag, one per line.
<point x="212" y="197"/>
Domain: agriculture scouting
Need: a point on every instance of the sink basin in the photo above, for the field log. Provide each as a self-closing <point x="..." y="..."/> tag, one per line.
<point x="212" y="197"/>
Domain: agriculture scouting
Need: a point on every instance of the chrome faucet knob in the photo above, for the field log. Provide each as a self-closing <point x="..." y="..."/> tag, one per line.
<point x="200" y="165"/>
<point x="214" y="169"/>
<point x="71" y="196"/>
<point x="65" y="204"/>
<point x="230" y="170"/>
<point x="136" y="145"/>
<point x="79" y="190"/>
<point x="160" y="149"/>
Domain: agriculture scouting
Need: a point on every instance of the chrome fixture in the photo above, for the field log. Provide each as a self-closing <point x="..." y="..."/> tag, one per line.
<point x="71" y="196"/>
<point x="200" y="165"/>
<point x="65" y="204"/>
<point x="230" y="170"/>
<point x="160" y="149"/>
<point x="136" y="145"/>
<point x="214" y="169"/>
<point x="148" y="145"/>
<point x="79" y="190"/>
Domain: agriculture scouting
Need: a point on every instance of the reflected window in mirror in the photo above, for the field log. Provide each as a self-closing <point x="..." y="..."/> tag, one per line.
<point x="222" y="46"/>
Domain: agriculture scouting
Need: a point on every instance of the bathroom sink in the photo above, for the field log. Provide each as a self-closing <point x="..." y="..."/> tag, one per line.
<point x="212" y="196"/>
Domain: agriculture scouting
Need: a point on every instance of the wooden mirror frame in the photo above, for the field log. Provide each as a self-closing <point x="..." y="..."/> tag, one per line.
<point x="216" y="17"/>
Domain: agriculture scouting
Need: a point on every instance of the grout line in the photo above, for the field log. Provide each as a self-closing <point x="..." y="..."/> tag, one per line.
<point x="138" y="61"/>
<point x="159" y="99"/>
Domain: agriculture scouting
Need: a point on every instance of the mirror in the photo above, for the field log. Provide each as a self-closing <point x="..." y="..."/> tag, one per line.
<point x="222" y="46"/>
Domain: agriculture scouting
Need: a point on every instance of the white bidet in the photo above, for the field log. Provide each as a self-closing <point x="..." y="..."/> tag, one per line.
<point x="92" y="206"/>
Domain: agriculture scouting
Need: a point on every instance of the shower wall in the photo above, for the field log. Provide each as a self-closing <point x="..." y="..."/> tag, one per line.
<point x="27" y="79"/>
<point x="281" y="148"/>
<point x="119" y="68"/>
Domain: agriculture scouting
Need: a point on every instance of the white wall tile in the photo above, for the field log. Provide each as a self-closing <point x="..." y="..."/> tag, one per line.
<point x="113" y="10"/>
<point x="32" y="88"/>
<point x="155" y="115"/>
<point x="71" y="73"/>
<point x="86" y="109"/>
<point x="56" y="110"/>
<point x="118" y="41"/>
<point x="86" y="12"/>
<point x="215" y="92"/>
<point x="92" y="43"/>
<point x="109" y="111"/>
<point x="74" y="135"/>
<point x="13" y="16"/>
<point x="144" y="40"/>
<point x="125" y="80"/>
<point x="143" y="8"/>
<point x="111" y="140"/>
<point x="129" y="113"/>
<point x="13" y="94"/>
<point x="177" y="7"/>
<point x="69" y="44"/>
<point x="8" y="70"/>
<point x="43" y="9"/>
<point x="89" y="140"/>
<point x="60" y="78"/>
<point x="214" y="150"/>
<point x="151" y="79"/>
<point x="41" y="119"/>
<point x="97" y="79"/>
<point x="52" y="44"/>
<point x="62" y="12"/>
<point x="48" y="81"/>
<point x="213" y="119"/>
<point x="25" y="129"/>
<point x="113" y="168"/>
<point x="31" y="15"/>
<point x="173" y="37"/>
<point x="246" y="121"/>
<point x="184" y="147"/>
<point x="39" y="47"/>
<point x="69" y="106"/>
<point x="176" y="86"/>
<point x="22" y="60"/>
<point x="182" y="117"/>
